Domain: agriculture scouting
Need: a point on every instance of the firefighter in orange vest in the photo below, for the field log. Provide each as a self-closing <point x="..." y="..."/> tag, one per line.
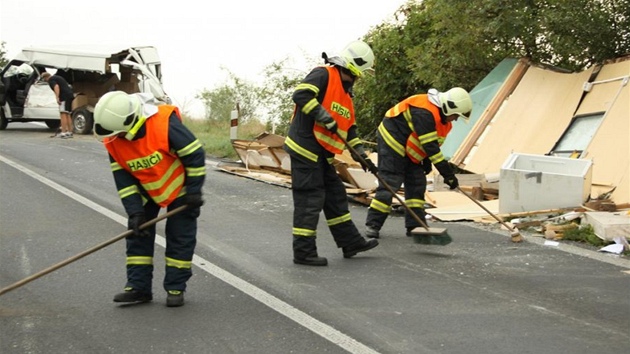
<point x="157" y="163"/>
<point x="323" y="112"/>
<point x="409" y="140"/>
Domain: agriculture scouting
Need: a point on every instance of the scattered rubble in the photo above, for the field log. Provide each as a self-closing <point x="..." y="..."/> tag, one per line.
<point x="264" y="159"/>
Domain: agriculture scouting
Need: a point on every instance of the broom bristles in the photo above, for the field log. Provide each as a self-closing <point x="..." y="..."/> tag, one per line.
<point x="440" y="240"/>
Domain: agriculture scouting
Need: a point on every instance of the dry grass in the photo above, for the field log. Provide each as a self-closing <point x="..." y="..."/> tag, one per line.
<point x="215" y="135"/>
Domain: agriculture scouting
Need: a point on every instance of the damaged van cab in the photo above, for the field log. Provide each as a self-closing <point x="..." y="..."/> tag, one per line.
<point x="92" y="72"/>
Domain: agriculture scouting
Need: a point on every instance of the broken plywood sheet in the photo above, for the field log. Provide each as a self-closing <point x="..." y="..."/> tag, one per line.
<point x="523" y="122"/>
<point x="454" y="206"/>
<point x="279" y="179"/>
<point x="254" y="154"/>
<point x="362" y="179"/>
<point x="610" y="147"/>
<point x="271" y="140"/>
<point x="264" y="153"/>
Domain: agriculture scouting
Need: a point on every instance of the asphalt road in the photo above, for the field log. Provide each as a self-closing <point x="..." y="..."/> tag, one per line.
<point x="480" y="294"/>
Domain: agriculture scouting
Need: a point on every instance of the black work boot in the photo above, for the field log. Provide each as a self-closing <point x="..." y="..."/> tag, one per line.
<point x="311" y="260"/>
<point x="175" y="298"/>
<point x="360" y="246"/>
<point x="305" y="252"/>
<point x="131" y="295"/>
<point x="371" y="232"/>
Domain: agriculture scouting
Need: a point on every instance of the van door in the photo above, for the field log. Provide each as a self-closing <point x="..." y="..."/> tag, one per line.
<point x="41" y="102"/>
<point x="146" y="60"/>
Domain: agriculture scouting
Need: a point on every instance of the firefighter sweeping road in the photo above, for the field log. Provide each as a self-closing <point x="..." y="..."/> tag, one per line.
<point x="480" y="294"/>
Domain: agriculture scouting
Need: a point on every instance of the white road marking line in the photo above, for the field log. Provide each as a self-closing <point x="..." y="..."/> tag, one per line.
<point x="285" y="309"/>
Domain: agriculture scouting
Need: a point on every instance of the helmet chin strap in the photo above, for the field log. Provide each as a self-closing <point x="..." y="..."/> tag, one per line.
<point x="134" y="130"/>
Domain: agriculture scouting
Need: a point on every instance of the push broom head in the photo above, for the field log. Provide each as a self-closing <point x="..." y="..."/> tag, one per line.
<point x="516" y="236"/>
<point x="431" y="236"/>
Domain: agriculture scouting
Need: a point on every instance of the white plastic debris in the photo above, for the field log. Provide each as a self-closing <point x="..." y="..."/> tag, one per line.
<point x="617" y="248"/>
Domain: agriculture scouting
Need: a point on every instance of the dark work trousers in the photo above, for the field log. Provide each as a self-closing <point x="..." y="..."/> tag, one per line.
<point x="181" y="239"/>
<point x="316" y="187"/>
<point x="396" y="170"/>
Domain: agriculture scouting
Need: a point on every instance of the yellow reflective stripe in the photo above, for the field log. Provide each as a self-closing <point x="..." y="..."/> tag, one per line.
<point x="190" y="148"/>
<point x="309" y="87"/>
<point x="390" y="141"/>
<point x="134" y="130"/>
<point x="182" y="192"/>
<point x="125" y="192"/>
<point x="330" y="160"/>
<point x="176" y="263"/>
<point x="310" y="106"/>
<point x="414" y="154"/>
<point x="354" y="142"/>
<point x="428" y="137"/>
<point x="172" y="187"/>
<point x="330" y="141"/>
<point x="167" y="175"/>
<point x="195" y="171"/>
<point x="304" y="232"/>
<point x="437" y="158"/>
<point x="393" y="112"/>
<point x="407" y="116"/>
<point x="300" y="150"/>
<point x="338" y="220"/>
<point x="380" y="206"/>
<point x="139" y="260"/>
<point x="415" y="203"/>
<point x="115" y="166"/>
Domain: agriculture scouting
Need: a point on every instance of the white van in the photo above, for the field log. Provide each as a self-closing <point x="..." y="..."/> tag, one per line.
<point x="25" y="97"/>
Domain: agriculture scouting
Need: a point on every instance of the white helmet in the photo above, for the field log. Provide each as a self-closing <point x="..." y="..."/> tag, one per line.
<point x="358" y="57"/>
<point x="456" y="101"/>
<point x="116" y="112"/>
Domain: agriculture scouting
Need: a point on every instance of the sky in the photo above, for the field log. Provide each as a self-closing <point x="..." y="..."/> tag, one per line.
<point x="197" y="40"/>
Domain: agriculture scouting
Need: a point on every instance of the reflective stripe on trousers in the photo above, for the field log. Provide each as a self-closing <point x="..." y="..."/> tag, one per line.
<point x="317" y="187"/>
<point x="181" y="237"/>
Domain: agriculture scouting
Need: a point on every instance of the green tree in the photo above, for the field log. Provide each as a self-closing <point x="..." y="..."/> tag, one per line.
<point x="447" y="43"/>
<point x="221" y="100"/>
<point x="280" y="80"/>
<point x="392" y="80"/>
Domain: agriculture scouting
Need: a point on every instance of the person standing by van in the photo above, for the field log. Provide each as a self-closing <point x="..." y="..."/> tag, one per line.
<point x="64" y="95"/>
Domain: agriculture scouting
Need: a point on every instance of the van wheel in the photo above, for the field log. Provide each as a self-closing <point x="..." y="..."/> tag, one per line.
<point x="53" y="124"/>
<point x="82" y="120"/>
<point x="3" y="120"/>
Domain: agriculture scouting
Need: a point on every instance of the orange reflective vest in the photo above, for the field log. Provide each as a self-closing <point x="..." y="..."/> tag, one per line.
<point x="149" y="159"/>
<point x="339" y="104"/>
<point x="413" y="147"/>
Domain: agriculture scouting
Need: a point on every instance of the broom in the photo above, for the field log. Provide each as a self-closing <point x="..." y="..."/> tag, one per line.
<point x="89" y="251"/>
<point x="422" y="235"/>
<point x="514" y="233"/>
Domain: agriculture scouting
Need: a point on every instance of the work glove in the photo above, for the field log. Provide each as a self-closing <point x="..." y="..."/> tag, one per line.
<point x="446" y="172"/>
<point x="194" y="200"/>
<point x="331" y="126"/>
<point x="451" y="181"/>
<point x="134" y="222"/>
<point x="369" y="165"/>
<point x="426" y="166"/>
<point x="326" y="119"/>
